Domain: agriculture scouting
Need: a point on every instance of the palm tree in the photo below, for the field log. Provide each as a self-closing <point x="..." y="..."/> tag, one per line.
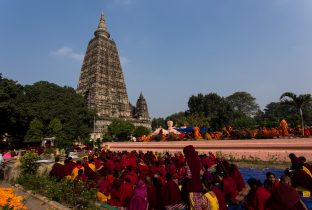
<point x="298" y="102"/>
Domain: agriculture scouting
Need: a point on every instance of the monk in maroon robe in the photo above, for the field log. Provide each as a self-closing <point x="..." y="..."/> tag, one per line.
<point x="229" y="188"/>
<point x="152" y="195"/>
<point x="258" y="196"/>
<point x="171" y="194"/>
<point x="69" y="165"/>
<point x="220" y="197"/>
<point x="237" y="177"/>
<point x="271" y="182"/>
<point x="194" y="164"/>
<point x="58" y="169"/>
<point x="286" y="197"/>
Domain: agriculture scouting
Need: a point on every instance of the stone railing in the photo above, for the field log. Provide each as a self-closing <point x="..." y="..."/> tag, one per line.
<point x="252" y="149"/>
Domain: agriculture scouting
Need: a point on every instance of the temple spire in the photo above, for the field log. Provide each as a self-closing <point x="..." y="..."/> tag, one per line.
<point x="102" y="28"/>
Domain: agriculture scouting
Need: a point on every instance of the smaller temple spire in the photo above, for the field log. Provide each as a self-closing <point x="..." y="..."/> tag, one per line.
<point x="102" y="28"/>
<point x="141" y="111"/>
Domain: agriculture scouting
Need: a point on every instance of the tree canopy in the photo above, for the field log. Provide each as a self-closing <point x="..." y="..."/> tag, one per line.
<point x="120" y="129"/>
<point x="46" y="101"/>
<point x="243" y="104"/>
<point x="297" y="101"/>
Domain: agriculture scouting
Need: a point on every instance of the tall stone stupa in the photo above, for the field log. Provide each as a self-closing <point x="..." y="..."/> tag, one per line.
<point x="102" y="84"/>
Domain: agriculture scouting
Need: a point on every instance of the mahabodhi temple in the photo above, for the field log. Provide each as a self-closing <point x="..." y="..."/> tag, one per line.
<point x="102" y="84"/>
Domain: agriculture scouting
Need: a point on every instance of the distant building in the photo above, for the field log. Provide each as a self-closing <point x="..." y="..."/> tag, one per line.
<point x="102" y="83"/>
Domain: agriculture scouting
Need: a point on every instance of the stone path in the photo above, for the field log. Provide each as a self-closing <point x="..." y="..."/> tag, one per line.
<point x="32" y="203"/>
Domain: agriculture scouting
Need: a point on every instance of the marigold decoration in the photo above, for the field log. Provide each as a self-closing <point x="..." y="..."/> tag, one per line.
<point x="11" y="200"/>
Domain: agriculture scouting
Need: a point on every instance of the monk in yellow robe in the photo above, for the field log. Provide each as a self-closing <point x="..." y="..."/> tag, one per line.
<point x="284" y="127"/>
<point x="197" y="134"/>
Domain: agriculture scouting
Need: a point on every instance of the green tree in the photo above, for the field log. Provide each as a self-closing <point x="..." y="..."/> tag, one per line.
<point x="243" y="104"/>
<point x="179" y="119"/>
<point x="298" y="102"/>
<point x="48" y="101"/>
<point x="244" y="123"/>
<point x="196" y="119"/>
<point x="141" y="131"/>
<point x="157" y="122"/>
<point x="274" y="112"/>
<point x="213" y="108"/>
<point x="55" y="129"/>
<point x="120" y="129"/>
<point x="12" y="118"/>
<point x="196" y="104"/>
<point x="35" y="131"/>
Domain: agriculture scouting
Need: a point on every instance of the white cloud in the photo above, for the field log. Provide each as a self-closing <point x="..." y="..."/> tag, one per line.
<point x="68" y="52"/>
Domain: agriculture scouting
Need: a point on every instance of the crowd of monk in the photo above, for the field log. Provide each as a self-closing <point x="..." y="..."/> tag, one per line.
<point x="227" y="132"/>
<point x="146" y="181"/>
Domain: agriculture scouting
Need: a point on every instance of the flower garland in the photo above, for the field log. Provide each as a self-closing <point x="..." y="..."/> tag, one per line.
<point x="9" y="200"/>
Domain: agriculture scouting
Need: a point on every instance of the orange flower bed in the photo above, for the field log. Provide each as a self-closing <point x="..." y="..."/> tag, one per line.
<point x="11" y="200"/>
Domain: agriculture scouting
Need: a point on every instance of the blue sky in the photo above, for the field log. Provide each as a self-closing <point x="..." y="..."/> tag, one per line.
<point x="169" y="49"/>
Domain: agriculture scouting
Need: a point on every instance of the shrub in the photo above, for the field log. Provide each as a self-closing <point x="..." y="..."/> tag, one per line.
<point x="73" y="194"/>
<point x="107" y="138"/>
<point x="120" y="129"/>
<point x="28" y="165"/>
<point x="141" y="131"/>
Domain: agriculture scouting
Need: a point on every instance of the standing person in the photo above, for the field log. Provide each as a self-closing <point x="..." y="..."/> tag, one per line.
<point x="152" y="195"/>
<point x="286" y="197"/>
<point x="193" y="185"/>
<point x="139" y="198"/>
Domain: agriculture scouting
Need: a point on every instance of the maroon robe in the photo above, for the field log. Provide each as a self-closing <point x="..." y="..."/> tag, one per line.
<point x="220" y="197"/>
<point x="285" y="197"/>
<point x="229" y="190"/>
<point x="258" y="199"/>
<point x="89" y="172"/>
<point x="121" y="196"/>
<point x="132" y="177"/>
<point x="171" y="193"/>
<point x="70" y="167"/>
<point x="81" y="177"/>
<point x="139" y="198"/>
<point x="237" y="177"/>
<point x="262" y="196"/>
<point x="152" y="197"/>
<point x="58" y="171"/>
<point x="193" y="161"/>
<point x="104" y="186"/>
<point x="302" y="179"/>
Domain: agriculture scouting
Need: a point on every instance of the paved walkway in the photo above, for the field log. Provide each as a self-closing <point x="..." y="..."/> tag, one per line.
<point x="31" y="202"/>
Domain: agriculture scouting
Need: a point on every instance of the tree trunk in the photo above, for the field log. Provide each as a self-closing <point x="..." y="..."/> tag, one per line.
<point x="302" y="125"/>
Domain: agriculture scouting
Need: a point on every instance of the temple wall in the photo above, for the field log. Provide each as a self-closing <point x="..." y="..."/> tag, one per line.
<point x="264" y="149"/>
